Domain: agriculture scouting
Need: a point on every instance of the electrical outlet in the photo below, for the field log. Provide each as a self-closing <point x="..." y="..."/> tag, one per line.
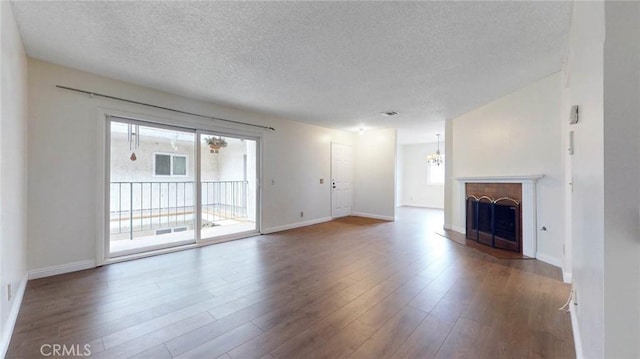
<point x="9" y="291"/>
<point x="301" y="214"/>
<point x="321" y="180"/>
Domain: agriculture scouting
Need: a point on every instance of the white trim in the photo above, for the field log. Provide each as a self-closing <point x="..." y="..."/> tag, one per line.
<point x="500" y="179"/>
<point x="458" y="229"/>
<point x="549" y="259"/>
<point x="374" y="216"/>
<point x="418" y="206"/>
<point x="296" y="225"/>
<point x="10" y="324"/>
<point x="61" y="269"/>
<point x="103" y="142"/>
<point x="454" y="228"/>
<point x="567" y="277"/>
<point x="577" y="341"/>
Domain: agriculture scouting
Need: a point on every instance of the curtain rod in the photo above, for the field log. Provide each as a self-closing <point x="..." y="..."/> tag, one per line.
<point x="163" y="108"/>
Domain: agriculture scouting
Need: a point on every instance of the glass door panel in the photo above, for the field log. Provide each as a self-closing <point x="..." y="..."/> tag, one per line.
<point x="228" y="172"/>
<point x="152" y="187"/>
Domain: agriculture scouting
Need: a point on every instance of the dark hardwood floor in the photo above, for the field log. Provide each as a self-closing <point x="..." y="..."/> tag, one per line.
<point x="354" y="287"/>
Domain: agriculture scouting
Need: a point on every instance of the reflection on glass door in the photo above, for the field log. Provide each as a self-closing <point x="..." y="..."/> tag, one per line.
<point x="228" y="186"/>
<point x="152" y="187"/>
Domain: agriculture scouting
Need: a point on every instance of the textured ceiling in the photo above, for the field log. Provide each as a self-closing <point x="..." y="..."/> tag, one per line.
<point x="334" y="64"/>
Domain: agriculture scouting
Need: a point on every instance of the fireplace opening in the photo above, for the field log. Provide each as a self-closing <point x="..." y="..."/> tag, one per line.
<point x="504" y="222"/>
<point x="495" y="222"/>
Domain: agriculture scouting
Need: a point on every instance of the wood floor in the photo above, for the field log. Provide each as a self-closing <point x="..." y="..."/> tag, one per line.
<point x="351" y="288"/>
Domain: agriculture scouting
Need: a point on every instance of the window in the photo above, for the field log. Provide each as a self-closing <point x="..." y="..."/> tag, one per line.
<point x="170" y="165"/>
<point x="435" y="174"/>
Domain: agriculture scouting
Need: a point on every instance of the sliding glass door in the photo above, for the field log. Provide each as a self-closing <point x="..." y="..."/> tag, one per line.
<point x="228" y="186"/>
<point x="152" y="191"/>
<point x="165" y="182"/>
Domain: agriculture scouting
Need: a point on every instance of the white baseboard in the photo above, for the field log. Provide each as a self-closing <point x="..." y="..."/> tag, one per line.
<point x="447" y="226"/>
<point x="417" y="205"/>
<point x="295" y="225"/>
<point x="549" y="259"/>
<point x="7" y="330"/>
<point x="567" y="277"/>
<point x="458" y="229"/>
<point x="577" y="341"/>
<point x="374" y="216"/>
<point x="61" y="269"/>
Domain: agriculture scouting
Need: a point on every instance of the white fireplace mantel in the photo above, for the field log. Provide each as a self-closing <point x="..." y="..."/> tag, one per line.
<point x="500" y="179"/>
<point x="529" y="214"/>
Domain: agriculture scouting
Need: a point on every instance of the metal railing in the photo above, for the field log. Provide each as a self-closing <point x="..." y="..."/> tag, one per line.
<point x="149" y="206"/>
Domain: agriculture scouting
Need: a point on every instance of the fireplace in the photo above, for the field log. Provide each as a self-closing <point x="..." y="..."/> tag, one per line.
<point x="493" y="215"/>
<point x="526" y="195"/>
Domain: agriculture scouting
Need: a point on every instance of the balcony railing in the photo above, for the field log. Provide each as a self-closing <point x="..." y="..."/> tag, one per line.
<point x="162" y="207"/>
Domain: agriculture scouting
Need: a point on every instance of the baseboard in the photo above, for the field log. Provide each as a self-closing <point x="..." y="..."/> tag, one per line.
<point x="548" y="259"/>
<point x="417" y="205"/>
<point x="374" y="216"/>
<point x="567" y="277"/>
<point x="61" y="269"/>
<point x="295" y="225"/>
<point x="458" y="229"/>
<point x="7" y="330"/>
<point x="447" y="226"/>
<point x="577" y="341"/>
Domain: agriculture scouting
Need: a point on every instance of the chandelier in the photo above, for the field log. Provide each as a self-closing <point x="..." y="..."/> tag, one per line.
<point x="436" y="158"/>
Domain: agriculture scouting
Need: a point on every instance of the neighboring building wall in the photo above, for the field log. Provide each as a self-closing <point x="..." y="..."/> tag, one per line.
<point x="13" y="174"/>
<point x="142" y="169"/>
<point x="226" y="165"/>
<point x="414" y="187"/>
<point x="518" y="134"/>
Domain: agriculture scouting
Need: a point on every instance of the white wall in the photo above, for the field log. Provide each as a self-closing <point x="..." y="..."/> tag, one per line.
<point x="448" y="177"/>
<point x="585" y="82"/>
<point x="13" y="174"/>
<point x="413" y="184"/>
<point x="518" y="134"/>
<point x="65" y="149"/>
<point x="375" y="174"/>
<point x="622" y="180"/>
<point x="603" y="78"/>
<point x="296" y="157"/>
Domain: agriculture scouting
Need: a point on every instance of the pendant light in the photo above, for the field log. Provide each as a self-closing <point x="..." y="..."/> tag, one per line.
<point x="436" y="158"/>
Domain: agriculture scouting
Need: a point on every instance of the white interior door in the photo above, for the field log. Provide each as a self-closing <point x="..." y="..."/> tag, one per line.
<point x="341" y="180"/>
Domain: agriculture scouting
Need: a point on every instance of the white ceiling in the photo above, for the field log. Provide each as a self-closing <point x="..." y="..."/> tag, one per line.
<point x="334" y="64"/>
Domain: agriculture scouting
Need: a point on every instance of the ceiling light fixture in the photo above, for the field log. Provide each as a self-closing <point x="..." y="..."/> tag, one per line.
<point x="389" y="113"/>
<point x="436" y="158"/>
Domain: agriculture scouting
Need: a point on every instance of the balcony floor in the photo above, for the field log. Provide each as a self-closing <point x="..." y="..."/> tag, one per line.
<point x="120" y="247"/>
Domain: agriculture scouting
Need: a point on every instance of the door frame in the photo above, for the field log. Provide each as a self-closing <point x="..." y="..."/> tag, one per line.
<point x="331" y="189"/>
<point x="158" y="117"/>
